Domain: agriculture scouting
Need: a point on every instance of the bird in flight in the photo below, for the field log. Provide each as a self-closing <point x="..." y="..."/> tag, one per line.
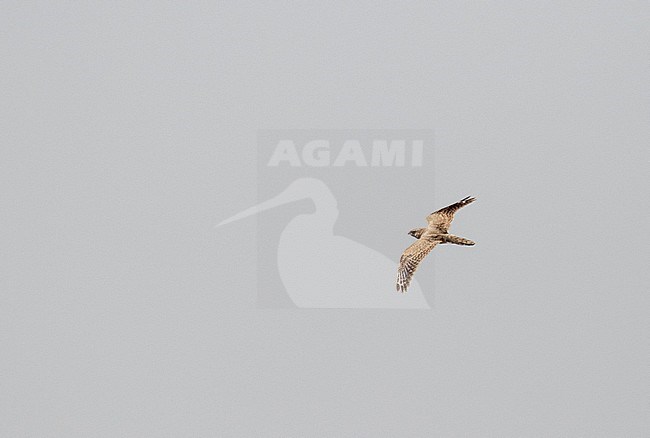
<point x="435" y="233"/>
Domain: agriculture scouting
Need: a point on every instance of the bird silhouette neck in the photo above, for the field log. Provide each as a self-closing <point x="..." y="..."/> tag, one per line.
<point x="325" y="204"/>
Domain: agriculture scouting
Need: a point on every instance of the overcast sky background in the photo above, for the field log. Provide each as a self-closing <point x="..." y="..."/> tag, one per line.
<point x="129" y="130"/>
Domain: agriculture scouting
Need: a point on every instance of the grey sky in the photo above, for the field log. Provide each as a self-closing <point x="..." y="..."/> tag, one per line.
<point x="129" y="131"/>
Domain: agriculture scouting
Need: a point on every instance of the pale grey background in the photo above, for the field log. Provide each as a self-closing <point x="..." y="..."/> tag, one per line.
<point x="377" y="206"/>
<point x="128" y="131"/>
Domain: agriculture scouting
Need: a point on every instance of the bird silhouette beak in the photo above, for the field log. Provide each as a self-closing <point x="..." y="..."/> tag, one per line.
<point x="283" y="198"/>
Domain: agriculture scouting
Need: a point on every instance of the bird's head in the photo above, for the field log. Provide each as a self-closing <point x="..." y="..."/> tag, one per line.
<point x="416" y="232"/>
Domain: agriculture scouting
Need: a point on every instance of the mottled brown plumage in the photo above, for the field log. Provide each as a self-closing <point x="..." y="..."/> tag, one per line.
<point x="435" y="233"/>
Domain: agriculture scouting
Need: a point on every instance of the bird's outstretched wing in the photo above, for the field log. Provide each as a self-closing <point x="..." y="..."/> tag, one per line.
<point x="410" y="260"/>
<point x="440" y="220"/>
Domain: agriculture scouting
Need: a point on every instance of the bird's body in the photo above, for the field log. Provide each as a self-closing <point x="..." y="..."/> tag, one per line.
<point x="435" y="233"/>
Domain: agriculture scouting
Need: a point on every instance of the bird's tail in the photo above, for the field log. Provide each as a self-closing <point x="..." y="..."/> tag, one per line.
<point x="450" y="238"/>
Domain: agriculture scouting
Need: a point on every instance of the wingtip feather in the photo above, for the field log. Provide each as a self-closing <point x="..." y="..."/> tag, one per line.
<point x="468" y="199"/>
